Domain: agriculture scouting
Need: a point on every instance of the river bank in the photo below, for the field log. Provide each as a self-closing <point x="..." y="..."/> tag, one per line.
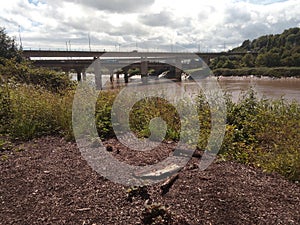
<point x="50" y="183"/>
<point x="274" y="72"/>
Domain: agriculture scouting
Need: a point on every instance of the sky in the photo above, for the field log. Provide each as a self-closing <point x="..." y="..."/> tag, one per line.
<point x="145" y="25"/>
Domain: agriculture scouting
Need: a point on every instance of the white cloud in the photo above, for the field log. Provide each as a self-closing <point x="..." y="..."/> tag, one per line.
<point x="189" y="23"/>
<point x="121" y="6"/>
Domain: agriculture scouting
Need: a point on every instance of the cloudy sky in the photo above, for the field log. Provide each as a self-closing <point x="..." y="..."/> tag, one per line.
<point x="174" y="25"/>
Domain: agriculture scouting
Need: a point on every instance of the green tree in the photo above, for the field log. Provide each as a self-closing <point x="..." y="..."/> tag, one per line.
<point x="296" y="59"/>
<point x="248" y="60"/>
<point x="8" y="47"/>
<point x="228" y="64"/>
<point x="268" y="59"/>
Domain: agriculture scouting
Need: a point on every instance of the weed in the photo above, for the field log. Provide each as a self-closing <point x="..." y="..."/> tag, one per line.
<point x="156" y="213"/>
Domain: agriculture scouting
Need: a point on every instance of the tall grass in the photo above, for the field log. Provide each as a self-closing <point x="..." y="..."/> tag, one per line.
<point x="29" y="111"/>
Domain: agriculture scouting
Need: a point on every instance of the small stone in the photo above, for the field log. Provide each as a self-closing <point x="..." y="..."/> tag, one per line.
<point x="109" y="148"/>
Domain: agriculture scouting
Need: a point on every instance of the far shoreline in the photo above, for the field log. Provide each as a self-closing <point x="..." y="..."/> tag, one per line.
<point x="272" y="72"/>
<point x="254" y="77"/>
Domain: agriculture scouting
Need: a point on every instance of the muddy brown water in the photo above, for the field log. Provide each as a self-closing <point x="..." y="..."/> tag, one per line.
<point x="287" y="88"/>
<point x="266" y="87"/>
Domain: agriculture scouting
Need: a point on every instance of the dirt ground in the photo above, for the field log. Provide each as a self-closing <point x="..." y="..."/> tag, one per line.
<point x="50" y="183"/>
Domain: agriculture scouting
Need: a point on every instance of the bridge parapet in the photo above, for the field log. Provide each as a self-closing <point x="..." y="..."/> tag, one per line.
<point x="96" y="54"/>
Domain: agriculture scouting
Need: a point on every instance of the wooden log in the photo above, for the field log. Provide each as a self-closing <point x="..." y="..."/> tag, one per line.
<point x="165" y="187"/>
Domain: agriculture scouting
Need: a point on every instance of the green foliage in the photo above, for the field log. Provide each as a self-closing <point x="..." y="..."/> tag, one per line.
<point x="24" y="72"/>
<point x="15" y="68"/>
<point x="248" y="60"/>
<point x="222" y="62"/>
<point x="149" y="108"/>
<point x="156" y="213"/>
<point x="5" y="107"/>
<point x="268" y="59"/>
<point x="259" y="132"/>
<point x="289" y="39"/>
<point x="264" y="133"/>
<point x="103" y="113"/>
<point x="273" y="51"/>
<point x="135" y="71"/>
<point x="5" y="145"/>
<point x="33" y="112"/>
<point x="137" y="191"/>
<point x="8" y="47"/>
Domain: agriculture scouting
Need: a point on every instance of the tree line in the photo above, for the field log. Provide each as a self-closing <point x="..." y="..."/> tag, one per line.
<point x="280" y="50"/>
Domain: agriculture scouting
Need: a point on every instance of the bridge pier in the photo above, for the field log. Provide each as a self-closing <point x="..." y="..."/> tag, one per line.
<point x="178" y="73"/>
<point x="98" y="76"/>
<point x="126" y="77"/>
<point x="81" y="74"/>
<point x="78" y="75"/>
<point x="111" y="75"/>
<point x="84" y="75"/>
<point x="177" y="70"/>
<point x="144" y="70"/>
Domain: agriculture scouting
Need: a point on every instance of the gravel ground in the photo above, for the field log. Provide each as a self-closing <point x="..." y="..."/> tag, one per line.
<point x="50" y="183"/>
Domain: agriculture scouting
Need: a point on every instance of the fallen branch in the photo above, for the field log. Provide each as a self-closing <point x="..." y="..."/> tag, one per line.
<point x="83" y="209"/>
<point x="165" y="187"/>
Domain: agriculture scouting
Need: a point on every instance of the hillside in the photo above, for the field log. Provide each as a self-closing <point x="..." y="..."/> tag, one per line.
<point x="279" y="50"/>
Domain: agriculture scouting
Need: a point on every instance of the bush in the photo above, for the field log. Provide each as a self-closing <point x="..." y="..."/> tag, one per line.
<point x="264" y="133"/>
<point x="34" y="112"/>
<point x="103" y="113"/>
<point x="24" y="72"/>
<point x="145" y="110"/>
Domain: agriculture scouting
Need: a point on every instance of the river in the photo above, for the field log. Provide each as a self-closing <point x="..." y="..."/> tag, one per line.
<point x="264" y="87"/>
<point x="287" y="88"/>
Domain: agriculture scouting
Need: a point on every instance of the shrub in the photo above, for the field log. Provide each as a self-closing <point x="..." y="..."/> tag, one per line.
<point x="147" y="109"/>
<point x="34" y="112"/>
<point x="264" y="133"/>
<point x="24" y="72"/>
<point x="103" y="113"/>
<point x="156" y="213"/>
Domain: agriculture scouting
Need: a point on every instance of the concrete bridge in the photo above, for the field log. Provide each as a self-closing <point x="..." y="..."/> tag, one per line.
<point x="81" y="60"/>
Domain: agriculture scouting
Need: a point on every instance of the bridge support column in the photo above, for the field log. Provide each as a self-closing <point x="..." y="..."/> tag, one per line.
<point x="144" y="70"/>
<point x="84" y="75"/>
<point x="98" y="76"/>
<point x="178" y="71"/>
<point x="126" y="77"/>
<point x="78" y="75"/>
<point x="111" y="76"/>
